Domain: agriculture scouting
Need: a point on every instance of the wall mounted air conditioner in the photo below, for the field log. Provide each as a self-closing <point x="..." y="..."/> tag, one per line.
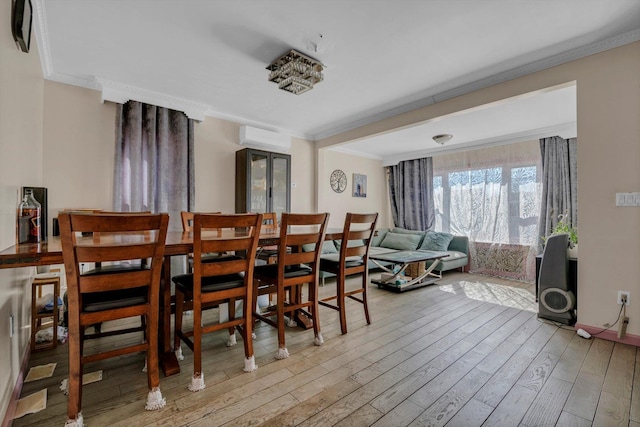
<point x="264" y="139"/>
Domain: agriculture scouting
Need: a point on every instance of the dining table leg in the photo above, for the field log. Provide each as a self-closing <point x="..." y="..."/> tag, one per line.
<point x="168" y="360"/>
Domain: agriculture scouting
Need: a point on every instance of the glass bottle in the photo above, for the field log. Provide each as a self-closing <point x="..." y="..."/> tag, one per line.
<point x="29" y="219"/>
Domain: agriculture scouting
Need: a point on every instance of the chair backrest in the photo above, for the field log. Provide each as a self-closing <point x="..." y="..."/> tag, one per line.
<point x="117" y="238"/>
<point x="237" y="233"/>
<point x="269" y="220"/>
<point x="297" y="230"/>
<point x="187" y="219"/>
<point x="357" y="235"/>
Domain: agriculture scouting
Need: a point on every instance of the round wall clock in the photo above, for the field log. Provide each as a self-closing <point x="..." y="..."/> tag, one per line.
<point x="338" y="181"/>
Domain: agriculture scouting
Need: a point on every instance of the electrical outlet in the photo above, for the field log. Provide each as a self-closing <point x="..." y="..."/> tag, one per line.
<point x="11" y="328"/>
<point x="624" y="297"/>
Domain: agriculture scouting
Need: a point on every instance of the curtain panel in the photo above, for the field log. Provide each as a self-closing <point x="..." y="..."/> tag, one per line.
<point x="411" y="194"/>
<point x="154" y="161"/>
<point x="559" y="183"/>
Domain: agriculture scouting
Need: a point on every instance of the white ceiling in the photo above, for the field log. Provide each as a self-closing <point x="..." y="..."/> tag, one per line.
<point x="382" y="57"/>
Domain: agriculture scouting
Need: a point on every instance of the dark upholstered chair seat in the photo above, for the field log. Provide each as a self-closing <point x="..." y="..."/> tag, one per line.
<point x="109" y="300"/>
<point x="332" y="262"/>
<point x="271" y="271"/>
<point x="209" y="284"/>
<point x="100" y="301"/>
<point x="215" y="257"/>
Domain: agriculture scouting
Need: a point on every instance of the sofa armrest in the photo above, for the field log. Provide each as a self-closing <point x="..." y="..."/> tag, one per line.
<point x="459" y="244"/>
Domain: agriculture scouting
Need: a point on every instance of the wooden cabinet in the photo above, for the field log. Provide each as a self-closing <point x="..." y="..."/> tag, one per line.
<point x="263" y="181"/>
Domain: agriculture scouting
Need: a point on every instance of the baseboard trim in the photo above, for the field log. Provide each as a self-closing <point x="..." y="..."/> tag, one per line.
<point x="610" y="335"/>
<point x="15" y="396"/>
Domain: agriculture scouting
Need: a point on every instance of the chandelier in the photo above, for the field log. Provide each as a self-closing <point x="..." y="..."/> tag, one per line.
<point x="295" y="72"/>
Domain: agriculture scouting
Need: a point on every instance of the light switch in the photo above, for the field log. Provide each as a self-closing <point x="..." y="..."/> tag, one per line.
<point x="628" y="199"/>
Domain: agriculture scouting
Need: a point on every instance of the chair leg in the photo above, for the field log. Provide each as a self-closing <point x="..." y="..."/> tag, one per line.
<point x="178" y="319"/>
<point x="231" y="341"/>
<point x="154" y="398"/>
<point x="365" y="285"/>
<point x="197" y="382"/>
<point x="232" y="314"/>
<point x="282" y="349"/>
<point x="74" y="384"/>
<point x="249" y="360"/>
<point x="315" y="311"/>
<point x="341" y="301"/>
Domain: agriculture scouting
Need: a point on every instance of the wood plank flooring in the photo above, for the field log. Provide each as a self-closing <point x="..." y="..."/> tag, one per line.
<point x="468" y="351"/>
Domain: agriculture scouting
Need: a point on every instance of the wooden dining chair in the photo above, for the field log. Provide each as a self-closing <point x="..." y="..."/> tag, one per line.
<point x="187" y="226"/>
<point x="269" y="253"/>
<point x="121" y="287"/>
<point x="293" y="269"/>
<point x="353" y="259"/>
<point x="213" y="283"/>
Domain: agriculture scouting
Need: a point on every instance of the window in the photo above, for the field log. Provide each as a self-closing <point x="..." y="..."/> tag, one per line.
<point x="492" y="205"/>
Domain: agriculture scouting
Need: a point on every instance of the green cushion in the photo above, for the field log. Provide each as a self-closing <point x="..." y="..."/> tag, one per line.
<point x="436" y="241"/>
<point x="376" y="240"/>
<point x="404" y="242"/>
<point x="328" y="247"/>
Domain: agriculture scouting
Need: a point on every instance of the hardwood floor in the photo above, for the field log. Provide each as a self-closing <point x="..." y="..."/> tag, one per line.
<point x="468" y="351"/>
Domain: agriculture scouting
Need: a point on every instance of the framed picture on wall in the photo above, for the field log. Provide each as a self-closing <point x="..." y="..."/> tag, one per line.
<point x="359" y="185"/>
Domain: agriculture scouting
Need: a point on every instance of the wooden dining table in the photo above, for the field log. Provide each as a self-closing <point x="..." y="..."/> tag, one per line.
<point x="177" y="243"/>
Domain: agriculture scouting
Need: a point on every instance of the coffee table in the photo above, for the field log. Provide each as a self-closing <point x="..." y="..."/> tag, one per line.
<point x="397" y="281"/>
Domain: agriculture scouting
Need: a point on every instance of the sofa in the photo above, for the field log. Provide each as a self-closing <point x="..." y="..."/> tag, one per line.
<point x="388" y="240"/>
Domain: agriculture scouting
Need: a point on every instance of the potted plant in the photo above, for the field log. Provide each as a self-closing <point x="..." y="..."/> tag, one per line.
<point x="564" y="226"/>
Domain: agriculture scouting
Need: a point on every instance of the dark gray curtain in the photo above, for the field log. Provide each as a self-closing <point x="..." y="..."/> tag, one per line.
<point x="559" y="183"/>
<point x="411" y="194"/>
<point x="154" y="165"/>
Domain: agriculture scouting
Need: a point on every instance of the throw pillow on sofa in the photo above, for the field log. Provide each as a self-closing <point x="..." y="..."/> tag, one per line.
<point x="436" y="241"/>
<point x="379" y="236"/>
<point x="403" y="242"/>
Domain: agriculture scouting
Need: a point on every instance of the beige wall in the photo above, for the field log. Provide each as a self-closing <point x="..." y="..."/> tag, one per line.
<point x="338" y="204"/>
<point x="608" y="106"/>
<point x="78" y="148"/>
<point x="216" y="143"/>
<point x="21" y="89"/>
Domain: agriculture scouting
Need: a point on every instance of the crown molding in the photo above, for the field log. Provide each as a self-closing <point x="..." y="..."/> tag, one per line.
<point x="345" y="150"/>
<point x="42" y="37"/>
<point x="565" y="130"/>
<point x="122" y="92"/>
<point x="532" y="67"/>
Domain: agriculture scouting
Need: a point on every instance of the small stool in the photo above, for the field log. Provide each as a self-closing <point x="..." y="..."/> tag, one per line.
<point x="40" y="280"/>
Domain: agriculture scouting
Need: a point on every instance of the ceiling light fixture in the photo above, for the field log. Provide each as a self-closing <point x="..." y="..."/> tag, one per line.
<point x="442" y="138"/>
<point x="295" y="72"/>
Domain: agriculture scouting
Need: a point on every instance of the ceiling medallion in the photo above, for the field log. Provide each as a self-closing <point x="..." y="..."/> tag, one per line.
<point x="295" y="72"/>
